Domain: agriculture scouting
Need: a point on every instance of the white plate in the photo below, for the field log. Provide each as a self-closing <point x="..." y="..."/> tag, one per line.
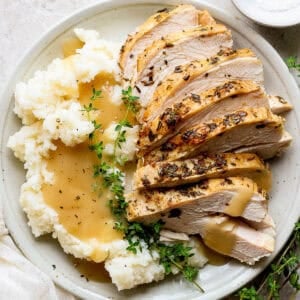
<point x="273" y="13"/>
<point x="113" y="19"/>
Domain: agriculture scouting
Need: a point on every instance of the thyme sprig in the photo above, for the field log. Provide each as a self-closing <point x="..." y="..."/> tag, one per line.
<point x="282" y="271"/>
<point x="113" y="179"/>
<point x="130" y="101"/>
<point x="98" y="146"/>
<point x="249" y="294"/>
<point x="120" y="139"/>
<point x="292" y="63"/>
<point x="96" y="127"/>
<point x="132" y="106"/>
<point x="178" y="255"/>
<point x="90" y="107"/>
<point x="137" y="234"/>
<point x="96" y="94"/>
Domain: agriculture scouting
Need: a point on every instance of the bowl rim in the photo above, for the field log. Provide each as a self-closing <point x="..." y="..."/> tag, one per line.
<point x="282" y="22"/>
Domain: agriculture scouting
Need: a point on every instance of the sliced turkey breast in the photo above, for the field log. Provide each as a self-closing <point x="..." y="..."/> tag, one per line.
<point x="164" y="55"/>
<point x="158" y="25"/>
<point x="279" y="105"/>
<point x="205" y="18"/>
<point x="267" y="225"/>
<point x="234" y="238"/>
<point x="201" y="108"/>
<point x="269" y="150"/>
<point x="180" y="207"/>
<point x="243" y="128"/>
<point x="171" y="174"/>
<point x="171" y="236"/>
<point x="202" y="75"/>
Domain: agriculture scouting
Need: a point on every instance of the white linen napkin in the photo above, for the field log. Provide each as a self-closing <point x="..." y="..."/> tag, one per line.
<point x="19" y="278"/>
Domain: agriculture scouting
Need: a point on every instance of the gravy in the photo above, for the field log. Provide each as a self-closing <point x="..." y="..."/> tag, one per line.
<point x="70" y="45"/>
<point x="263" y="179"/>
<point x="239" y="202"/>
<point x="108" y="112"/>
<point x="91" y="270"/>
<point x="220" y="236"/>
<point x="82" y="209"/>
<point x="214" y="258"/>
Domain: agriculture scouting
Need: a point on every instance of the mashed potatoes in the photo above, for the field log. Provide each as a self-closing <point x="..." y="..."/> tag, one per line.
<point x="49" y="109"/>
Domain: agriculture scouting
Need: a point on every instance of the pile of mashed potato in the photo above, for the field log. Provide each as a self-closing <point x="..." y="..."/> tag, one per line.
<point x="52" y="95"/>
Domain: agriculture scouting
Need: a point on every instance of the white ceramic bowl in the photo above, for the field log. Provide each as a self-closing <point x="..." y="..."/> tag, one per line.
<point x="273" y="13"/>
<point x="114" y="20"/>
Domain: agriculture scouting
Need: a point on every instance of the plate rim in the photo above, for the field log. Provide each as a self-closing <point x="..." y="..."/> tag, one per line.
<point x="85" y="13"/>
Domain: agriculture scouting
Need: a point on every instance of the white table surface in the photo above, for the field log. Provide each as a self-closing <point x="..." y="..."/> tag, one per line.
<point x="22" y="22"/>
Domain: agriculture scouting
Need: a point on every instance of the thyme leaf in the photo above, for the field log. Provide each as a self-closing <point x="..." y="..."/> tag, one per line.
<point x="88" y="108"/>
<point x="96" y="94"/>
<point x="98" y="148"/>
<point x="96" y="127"/>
